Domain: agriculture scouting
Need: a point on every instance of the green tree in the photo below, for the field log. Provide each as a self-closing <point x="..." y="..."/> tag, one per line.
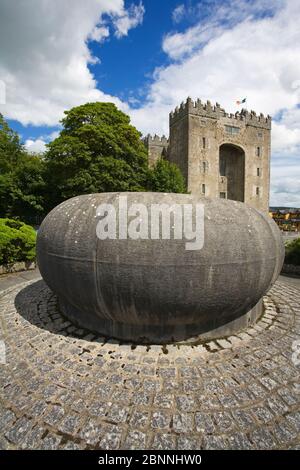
<point x="29" y="194"/>
<point x="11" y="150"/>
<point x="97" y="150"/>
<point x="167" y="178"/>
<point x="21" y="178"/>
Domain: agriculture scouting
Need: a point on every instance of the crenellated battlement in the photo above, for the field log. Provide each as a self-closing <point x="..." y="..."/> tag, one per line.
<point x="156" y="140"/>
<point x="157" y="147"/>
<point x="220" y="154"/>
<point x="208" y="110"/>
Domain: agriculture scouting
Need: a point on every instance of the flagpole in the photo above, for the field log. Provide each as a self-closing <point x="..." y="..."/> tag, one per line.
<point x="244" y="101"/>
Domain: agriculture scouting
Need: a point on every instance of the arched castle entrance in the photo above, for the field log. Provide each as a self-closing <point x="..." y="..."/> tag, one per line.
<point x="232" y="172"/>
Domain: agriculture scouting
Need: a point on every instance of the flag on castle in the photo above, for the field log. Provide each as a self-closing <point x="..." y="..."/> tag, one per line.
<point x="242" y="101"/>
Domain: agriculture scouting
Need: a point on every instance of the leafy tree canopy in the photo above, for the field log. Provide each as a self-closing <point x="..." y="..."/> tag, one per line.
<point x="106" y="131"/>
<point x="98" y="150"/>
<point x="11" y="150"/>
<point x="166" y="177"/>
<point x="21" y="177"/>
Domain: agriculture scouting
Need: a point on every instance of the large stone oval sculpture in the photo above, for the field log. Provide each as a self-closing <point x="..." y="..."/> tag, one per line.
<point x="156" y="290"/>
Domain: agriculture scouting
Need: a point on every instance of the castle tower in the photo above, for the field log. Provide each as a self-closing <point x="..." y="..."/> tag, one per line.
<point x="222" y="155"/>
<point x="157" y="148"/>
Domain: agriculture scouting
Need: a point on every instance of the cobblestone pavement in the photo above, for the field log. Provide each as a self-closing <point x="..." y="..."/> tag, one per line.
<point x="64" y="388"/>
<point x="13" y="279"/>
<point x="291" y="280"/>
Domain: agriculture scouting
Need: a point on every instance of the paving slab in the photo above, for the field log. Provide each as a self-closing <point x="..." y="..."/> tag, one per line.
<point x="65" y="387"/>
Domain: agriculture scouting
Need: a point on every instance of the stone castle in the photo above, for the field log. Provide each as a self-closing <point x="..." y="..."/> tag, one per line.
<point x="219" y="154"/>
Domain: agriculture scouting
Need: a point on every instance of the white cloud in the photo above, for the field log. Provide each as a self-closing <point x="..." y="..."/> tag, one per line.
<point x="130" y="19"/>
<point x="257" y="58"/>
<point x="99" y="33"/>
<point x="285" y="139"/>
<point x="231" y="51"/>
<point x="44" y="63"/>
<point x="178" y="13"/>
<point x="179" y="45"/>
<point x="285" y="186"/>
<point x="209" y="18"/>
<point x="2" y="92"/>
<point x="39" y="145"/>
<point x="35" y="146"/>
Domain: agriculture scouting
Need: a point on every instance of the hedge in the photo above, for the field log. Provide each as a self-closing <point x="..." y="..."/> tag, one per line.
<point x="17" y="242"/>
<point x="292" y="252"/>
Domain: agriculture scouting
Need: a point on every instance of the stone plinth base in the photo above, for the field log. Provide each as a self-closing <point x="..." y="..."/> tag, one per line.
<point x="160" y="334"/>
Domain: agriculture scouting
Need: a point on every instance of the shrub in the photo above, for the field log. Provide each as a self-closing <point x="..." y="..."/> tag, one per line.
<point x="167" y="178"/>
<point x="292" y="252"/>
<point x="17" y="241"/>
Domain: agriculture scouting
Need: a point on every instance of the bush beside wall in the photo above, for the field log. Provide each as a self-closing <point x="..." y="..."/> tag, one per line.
<point x="17" y="242"/>
<point x="292" y="252"/>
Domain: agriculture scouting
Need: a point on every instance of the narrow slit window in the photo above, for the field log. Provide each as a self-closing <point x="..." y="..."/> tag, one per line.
<point x="203" y="188"/>
<point x="258" y="172"/>
<point x="258" y="152"/>
<point x="257" y="191"/>
<point x="204" y="142"/>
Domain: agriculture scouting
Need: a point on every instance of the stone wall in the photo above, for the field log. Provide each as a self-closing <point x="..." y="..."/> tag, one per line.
<point x="17" y="267"/>
<point x="291" y="269"/>
<point x="157" y="148"/>
<point x="197" y="131"/>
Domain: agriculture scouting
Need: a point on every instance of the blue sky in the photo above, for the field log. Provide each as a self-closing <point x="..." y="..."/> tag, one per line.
<point x="147" y="56"/>
<point x="127" y="66"/>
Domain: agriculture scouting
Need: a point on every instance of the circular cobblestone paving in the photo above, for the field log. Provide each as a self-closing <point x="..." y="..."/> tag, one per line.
<point x="65" y="388"/>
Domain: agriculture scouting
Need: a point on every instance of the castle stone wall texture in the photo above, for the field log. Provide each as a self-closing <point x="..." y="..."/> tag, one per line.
<point x="198" y="132"/>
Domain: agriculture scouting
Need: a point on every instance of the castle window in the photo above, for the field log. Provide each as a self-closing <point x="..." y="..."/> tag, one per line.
<point x="260" y="135"/>
<point x="204" y="142"/>
<point x="257" y="191"/>
<point x="203" y="188"/>
<point x="258" y="172"/>
<point x="222" y="195"/>
<point x="232" y="130"/>
<point x="204" y="166"/>
<point x="258" y="151"/>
